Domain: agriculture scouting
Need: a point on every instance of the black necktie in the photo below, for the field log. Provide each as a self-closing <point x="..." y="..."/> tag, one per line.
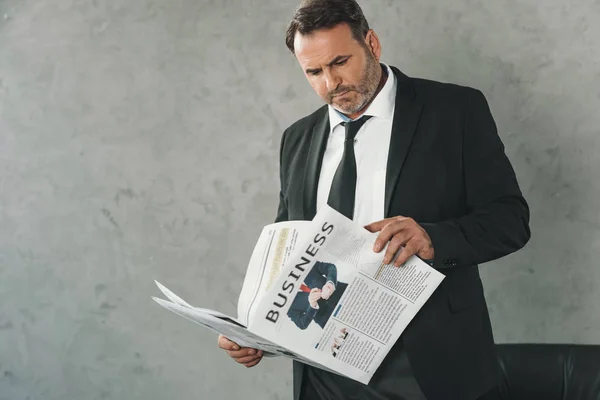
<point x="343" y="187"/>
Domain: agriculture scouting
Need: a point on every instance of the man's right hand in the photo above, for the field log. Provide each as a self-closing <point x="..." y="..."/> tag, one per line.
<point x="242" y="355"/>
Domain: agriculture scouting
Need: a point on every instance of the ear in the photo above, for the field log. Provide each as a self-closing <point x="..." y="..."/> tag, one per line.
<point x="373" y="43"/>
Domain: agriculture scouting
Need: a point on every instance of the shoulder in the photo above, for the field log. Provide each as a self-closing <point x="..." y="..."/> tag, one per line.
<point x="450" y="100"/>
<point x="444" y="92"/>
<point x="438" y="94"/>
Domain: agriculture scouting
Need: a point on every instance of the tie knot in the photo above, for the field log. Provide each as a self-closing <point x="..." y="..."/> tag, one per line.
<point x="352" y="127"/>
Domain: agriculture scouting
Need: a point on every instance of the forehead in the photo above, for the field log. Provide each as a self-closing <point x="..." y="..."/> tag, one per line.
<point x="325" y="44"/>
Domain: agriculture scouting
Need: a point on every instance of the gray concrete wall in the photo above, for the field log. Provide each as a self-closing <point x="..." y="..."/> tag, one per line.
<point x="139" y="140"/>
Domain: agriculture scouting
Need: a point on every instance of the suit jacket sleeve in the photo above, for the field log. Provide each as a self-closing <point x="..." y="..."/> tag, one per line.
<point x="328" y="270"/>
<point x="302" y="317"/>
<point x="282" y="211"/>
<point x="497" y="218"/>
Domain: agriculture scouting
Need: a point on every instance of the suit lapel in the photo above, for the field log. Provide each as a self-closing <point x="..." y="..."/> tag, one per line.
<point x="406" y="118"/>
<point x="312" y="171"/>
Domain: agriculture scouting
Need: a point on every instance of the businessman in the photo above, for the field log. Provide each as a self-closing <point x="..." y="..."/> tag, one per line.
<point x="421" y="163"/>
<point x="318" y="296"/>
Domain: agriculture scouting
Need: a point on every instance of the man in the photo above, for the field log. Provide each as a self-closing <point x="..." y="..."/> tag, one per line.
<point x="318" y="296"/>
<point x="429" y="168"/>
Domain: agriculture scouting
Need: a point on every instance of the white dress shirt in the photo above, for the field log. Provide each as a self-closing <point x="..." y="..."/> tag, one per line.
<point x="371" y="148"/>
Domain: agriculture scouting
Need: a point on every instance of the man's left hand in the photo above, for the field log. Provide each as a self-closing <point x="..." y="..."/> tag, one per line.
<point x="401" y="231"/>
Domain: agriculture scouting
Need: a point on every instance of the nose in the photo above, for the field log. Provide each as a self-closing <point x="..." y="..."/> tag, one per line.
<point x="332" y="81"/>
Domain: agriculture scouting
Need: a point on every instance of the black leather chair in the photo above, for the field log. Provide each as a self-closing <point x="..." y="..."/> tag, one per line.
<point x="549" y="372"/>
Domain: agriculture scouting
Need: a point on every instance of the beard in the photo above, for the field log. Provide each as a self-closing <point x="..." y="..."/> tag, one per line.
<point x="362" y="93"/>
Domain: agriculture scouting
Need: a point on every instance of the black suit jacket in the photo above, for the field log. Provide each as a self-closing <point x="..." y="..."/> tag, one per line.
<point x="301" y="312"/>
<point x="446" y="169"/>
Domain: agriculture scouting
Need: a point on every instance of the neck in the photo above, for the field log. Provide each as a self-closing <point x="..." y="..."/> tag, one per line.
<point x="382" y="80"/>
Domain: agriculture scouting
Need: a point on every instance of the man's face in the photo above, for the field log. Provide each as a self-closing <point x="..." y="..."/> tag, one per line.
<point x="343" y="72"/>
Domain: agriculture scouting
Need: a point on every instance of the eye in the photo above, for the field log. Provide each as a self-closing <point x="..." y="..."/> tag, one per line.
<point x="342" y="62"/>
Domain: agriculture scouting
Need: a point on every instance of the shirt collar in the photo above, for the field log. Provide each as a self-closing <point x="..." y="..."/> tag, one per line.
<point x="382" y="106"/>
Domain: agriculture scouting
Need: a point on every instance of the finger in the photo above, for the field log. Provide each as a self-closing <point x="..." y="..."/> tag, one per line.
<point x="244" y="360"/>
<point x="409" y="250"/>
<point x="245" y="352"/>
<point x="227" y="344"/>
<point x="426" y="251"/>
<point x="387" y="233"/>
<point x="377" y="226"/>
<point x="252" y="363"/>
<point x="396" y="243"/>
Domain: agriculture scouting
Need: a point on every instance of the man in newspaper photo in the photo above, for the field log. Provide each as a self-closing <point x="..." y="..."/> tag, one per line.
<point x="421" y="164"/>
<point x="317" y="297"/>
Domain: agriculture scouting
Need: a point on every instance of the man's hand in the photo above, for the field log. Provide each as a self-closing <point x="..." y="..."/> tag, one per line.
<point x="245" y="356"/>
<point x="401" y="231"/>
<point x="327" y="290"/>
<point x="313" y="297"/>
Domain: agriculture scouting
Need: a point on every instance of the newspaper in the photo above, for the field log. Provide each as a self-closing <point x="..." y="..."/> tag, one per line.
<point x="315" y="291"/>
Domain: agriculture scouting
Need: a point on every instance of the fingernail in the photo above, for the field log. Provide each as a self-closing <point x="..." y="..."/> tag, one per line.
<point x="376" y="248"/>
<point x="236" y="348"/>
<point x="251" y="352"/>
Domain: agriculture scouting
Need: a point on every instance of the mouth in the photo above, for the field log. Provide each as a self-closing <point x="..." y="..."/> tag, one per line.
<point x="342" y="94"/>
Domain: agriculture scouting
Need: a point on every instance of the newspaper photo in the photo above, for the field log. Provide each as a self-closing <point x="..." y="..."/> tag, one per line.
<point x="315" y="291"/>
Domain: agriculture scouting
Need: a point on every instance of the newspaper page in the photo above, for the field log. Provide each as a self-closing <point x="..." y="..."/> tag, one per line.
<point x="337" y="304"/>
<point x="273" y="248"/>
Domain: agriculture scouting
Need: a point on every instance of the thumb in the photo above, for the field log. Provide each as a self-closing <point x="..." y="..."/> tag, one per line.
<point x="227" y="344"/>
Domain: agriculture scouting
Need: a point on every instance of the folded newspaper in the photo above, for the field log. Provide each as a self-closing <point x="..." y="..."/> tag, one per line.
<point x="315" y="291"/>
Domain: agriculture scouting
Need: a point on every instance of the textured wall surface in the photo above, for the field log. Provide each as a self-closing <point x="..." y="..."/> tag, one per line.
<point x="139" y="141"/>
